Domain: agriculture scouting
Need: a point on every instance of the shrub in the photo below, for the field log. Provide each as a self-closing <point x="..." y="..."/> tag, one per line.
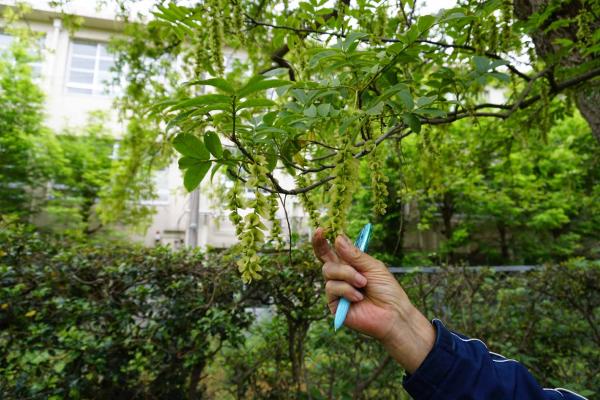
<point x="120" y="322"/>
<point x="124" y="322"/>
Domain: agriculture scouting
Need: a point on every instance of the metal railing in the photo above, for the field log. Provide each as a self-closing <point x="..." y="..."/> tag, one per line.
<point x="433" y="270"/>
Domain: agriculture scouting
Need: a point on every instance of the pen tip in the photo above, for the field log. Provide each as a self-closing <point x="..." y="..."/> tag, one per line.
<point x="337" y="325"/>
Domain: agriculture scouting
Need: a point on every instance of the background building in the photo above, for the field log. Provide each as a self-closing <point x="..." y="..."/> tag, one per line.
<point x="72" y="72"/>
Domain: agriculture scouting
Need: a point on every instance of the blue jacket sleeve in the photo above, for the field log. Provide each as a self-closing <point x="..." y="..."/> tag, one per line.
<point x="462" y="368"/>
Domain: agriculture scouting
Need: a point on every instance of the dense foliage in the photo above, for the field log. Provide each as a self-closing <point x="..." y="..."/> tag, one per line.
<point x="84" y="321"/>
<point x="51" y="178"/>
<point x="314" y="89"/>
<point x="22" y="135"/>
<point x="379" y="112"/>
<point x="491" y="194"/>
<point x="91" y="320"/>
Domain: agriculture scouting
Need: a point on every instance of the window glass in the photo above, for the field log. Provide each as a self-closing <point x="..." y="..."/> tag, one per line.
<point x="89" y="68"/>
<point x="5" y="40"/>
<point x="161" y="180"/>
<point x="81" y="77"/>
<point x="79" y="90"/>
<point x="161" y="185"/>
<point x="104" y="51"/>
<point x="84" y="49"/>
<point x="106" y="65"/>
<point x="83" y="63"/>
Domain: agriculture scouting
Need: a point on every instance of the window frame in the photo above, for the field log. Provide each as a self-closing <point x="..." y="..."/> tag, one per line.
<point x="97" y="87"/>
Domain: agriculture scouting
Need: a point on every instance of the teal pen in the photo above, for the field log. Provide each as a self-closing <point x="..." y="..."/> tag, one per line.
<point x="362" y="242"/>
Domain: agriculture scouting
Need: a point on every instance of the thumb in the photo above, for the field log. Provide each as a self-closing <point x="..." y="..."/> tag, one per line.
<point x="321" y="248"/>
<point x="356" y="258"/>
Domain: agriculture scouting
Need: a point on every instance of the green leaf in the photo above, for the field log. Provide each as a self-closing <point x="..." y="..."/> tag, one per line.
<point x="194" y="175"/>
<point x="454" y="15"/>
<point x="219" y="83"/>
<point x="191" y="146"/>
<point x="213" y="143"/>
<point x="215" y="168"/>
<point x="431" y="112"/>
<point x="323" y="109"/>
<point x="255" y="103"/>
<point x="276" y="72"/>
<point x="389" y="92"/>
<point x="186" y="162"/>
<point x="425" y="22"/>
<point x="413" y="122"/>
<point x="412" y="34"/>
<point x="376" y="109"/>
<point x="271" y="161"/>
<point x="482" y="64"/>
<point x="311" y="111"/>
<point x="425" y="100"/>
<point x="406" y="99"/>
<point x="349" y="44"/>
<point x="255" y="86"/>
<point x="202" y="100"/>
<point x="314" y="60"/>
<point x="396" y="48"/>
<point x="180" y="117"/>
<point x="59" y="366"/>
<point x="216" y="106"/>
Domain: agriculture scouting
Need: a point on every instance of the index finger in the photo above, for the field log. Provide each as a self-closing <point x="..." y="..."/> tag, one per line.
<point x="321" y="247"/>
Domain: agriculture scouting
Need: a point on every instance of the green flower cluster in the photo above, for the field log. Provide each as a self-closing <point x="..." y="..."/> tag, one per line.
<point x="309" y="205"/>
<point x="215" y="36"/>
<point x="507" y="15"/>
<point x="276" y="233"/>
<point x="380" y="22"/>
<point x="236" y="202"/>
<point x="379" y="190"/>
<point x="345" y="173"/>
<point x="252" y="232"/>
<point x="238" y="19"/>
<point x="585" y="19"/>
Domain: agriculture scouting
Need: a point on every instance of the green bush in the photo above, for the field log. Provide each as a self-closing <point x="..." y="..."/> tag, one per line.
<point x="120" y="322"/>
<point x="80" y="321"/>
<point x="547" y="319"/>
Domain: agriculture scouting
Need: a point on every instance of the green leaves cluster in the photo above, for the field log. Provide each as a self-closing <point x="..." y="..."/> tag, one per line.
<point x="109" y="320"/>
<point x="350" y="69"/>
<point x="488" y="194"/>
<point x="53" y="178"/>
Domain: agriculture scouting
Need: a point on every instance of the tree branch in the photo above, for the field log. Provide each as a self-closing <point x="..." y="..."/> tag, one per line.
<point x="361" y="386"/>
<point x="518" y="105"/>
<point x="278" y="55"/>
<point x="307" y="31"/>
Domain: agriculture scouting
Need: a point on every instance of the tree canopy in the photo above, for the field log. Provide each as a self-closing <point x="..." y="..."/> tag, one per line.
<point x="316" y="88"/>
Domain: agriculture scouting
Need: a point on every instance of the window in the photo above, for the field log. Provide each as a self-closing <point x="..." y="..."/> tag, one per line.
<point x="161" y="180"/>
<point x="5" y="41"/>
<point x="161" y="186"/>
<point x="89" y="68"/>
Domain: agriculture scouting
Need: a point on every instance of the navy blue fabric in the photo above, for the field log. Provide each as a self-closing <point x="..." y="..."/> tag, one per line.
<point x="462" y="368"/>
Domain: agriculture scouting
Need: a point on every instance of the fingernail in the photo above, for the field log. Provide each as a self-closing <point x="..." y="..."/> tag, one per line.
<point x="358" y="296"/>
<point x="360" y="280"/>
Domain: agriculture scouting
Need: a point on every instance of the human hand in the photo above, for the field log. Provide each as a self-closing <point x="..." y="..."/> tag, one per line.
<point x="382" y="310"/>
